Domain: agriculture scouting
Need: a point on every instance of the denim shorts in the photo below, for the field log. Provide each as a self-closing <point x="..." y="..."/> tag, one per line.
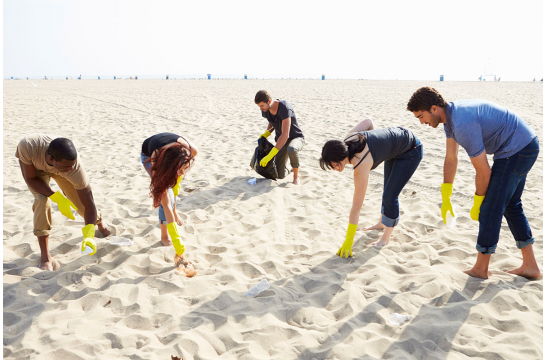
<point x="162" y="217"/>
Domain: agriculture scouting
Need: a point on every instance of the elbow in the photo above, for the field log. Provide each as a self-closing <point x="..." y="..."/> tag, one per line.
<point x="194" y="151"/>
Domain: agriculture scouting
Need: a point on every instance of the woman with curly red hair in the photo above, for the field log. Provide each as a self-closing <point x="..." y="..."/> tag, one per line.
<point x="167" y="157"/>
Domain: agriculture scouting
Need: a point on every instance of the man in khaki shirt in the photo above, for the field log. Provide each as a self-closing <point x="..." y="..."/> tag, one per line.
<point x="41" y="158"/>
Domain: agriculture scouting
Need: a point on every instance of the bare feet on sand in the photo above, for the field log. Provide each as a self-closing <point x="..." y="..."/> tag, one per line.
<point x="378" y="226"/>
<point x="478" y="274"/>
<point x="185" y="267"/>
<point x="46" y="266"/>
<point x="527" y="272"/>
<point x="166" y="242"/>
<point x="296" y="181"/>
<point x="104" y="229"/>
<point x="381" y="242"/>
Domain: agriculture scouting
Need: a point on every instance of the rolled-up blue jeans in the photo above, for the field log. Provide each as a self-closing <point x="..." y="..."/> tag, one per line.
<point x="397" y="172"/>
<point x="503" y="199"/>
<point x="162" y="217"/>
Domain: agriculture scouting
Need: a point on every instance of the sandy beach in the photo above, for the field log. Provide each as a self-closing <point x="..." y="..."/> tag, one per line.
<point x="129" y="302"/>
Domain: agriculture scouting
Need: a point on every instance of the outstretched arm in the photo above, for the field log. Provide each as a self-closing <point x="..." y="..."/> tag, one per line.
<point x="86" y="197"/>
<point x="286" y="126"/>
<point x="361" y="179"/>
<point x="451" y="161"/>
<point x="482" y="178"/>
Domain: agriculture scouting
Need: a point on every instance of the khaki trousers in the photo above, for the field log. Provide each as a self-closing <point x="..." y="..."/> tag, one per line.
<point x="42" y="204"/>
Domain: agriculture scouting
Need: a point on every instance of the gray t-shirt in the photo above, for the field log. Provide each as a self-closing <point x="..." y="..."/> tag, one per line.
<point x="285" y="110"/>
<point x="385" y="144"/>
<point x="479" y="126"/>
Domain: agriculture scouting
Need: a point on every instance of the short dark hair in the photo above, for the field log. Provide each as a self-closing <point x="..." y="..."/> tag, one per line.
<point x="424" y="98"/>
<point x="62" y="148"/>
<point x="262" y="96"/>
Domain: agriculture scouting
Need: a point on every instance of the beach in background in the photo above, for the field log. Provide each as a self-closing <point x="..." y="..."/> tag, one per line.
<point x="129" y="301"/>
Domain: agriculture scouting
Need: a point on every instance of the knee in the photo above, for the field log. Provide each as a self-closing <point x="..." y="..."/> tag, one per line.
<point x="41" y="201"/>
<point x="292" y="150"/>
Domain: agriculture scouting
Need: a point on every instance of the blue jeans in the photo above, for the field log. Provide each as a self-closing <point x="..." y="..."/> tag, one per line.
<point x="503" y="199"/>
<point x="397" y="172"/>
<point x="162" y="217"/>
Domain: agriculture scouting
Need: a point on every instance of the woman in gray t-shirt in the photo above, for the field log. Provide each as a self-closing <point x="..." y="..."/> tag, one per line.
<point x="365" y="148"/>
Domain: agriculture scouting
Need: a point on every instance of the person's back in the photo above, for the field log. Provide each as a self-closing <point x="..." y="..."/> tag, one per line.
<point x="479" y="125"/>
<point x="385" y="144"/>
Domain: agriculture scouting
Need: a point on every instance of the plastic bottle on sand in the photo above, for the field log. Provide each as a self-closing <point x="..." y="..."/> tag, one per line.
<point x="451" y="220"/>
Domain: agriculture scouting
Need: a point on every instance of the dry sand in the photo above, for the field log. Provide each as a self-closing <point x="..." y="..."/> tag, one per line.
<point x="129" y="302"/>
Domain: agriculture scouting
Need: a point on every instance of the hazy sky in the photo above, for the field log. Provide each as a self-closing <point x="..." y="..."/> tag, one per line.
<point x="380" y="39"/>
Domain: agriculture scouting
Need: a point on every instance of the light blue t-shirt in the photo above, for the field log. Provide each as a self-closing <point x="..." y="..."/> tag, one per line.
<point x="479" y="126"/>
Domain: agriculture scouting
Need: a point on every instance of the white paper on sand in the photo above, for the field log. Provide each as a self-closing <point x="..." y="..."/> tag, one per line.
<point x="87" y="251"/>
<point x="398" y="319"/>
<point x="259" y="288"/>
<point x="116" y="240"/>
<point x="451" y="220"/>
<point x="252" y="181"/>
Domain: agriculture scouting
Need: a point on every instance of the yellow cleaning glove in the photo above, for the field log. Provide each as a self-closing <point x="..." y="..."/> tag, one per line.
<point x="446" y="193"/>
<point x="176" y="189"/>
<point x="476" y="209"/>
<point x="346" y="248"/>
<point x="176" y="239"/>
<point x="64" y="204"/>
<point x="89" y="238"/>
<point x="266" y="134"/>
<point x="268" y="158"/>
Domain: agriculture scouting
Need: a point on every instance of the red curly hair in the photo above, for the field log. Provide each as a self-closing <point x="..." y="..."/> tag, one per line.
<point x="167" y="167"/>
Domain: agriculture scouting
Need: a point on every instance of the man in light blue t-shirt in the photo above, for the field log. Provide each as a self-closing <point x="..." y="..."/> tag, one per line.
<point x="481" y="128"/>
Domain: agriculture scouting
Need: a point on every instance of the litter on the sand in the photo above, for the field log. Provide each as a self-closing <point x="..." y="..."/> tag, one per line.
<point x="116" y="240"/>
<point x="398" y="319"/>
<point x="259" y="288"/>
<point x="451" y="220"/>
<point x="252" y="181"/>
<point x="87" y="251"/>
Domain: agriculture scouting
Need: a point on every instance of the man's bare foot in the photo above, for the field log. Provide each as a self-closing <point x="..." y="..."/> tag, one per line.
<point x="381" y="242"/>
<point x="481" y="275"/>
<point x="529" y="273"/>
<point x="178" y="219"/>
<point x="166" y="242"/>
<point x="296" y="181"/>
<point x="47" y="265"/>
<point x="378" y="226"/>
<point x="104" y="229"/>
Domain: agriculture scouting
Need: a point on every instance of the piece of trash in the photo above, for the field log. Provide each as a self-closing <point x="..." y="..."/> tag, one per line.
<point x="87" y="250"/>
<point x="252" y="181"/>
<point x="116" y="240"/>
<point x="451" y="220"/>
<point x="259" y="288"/>
<point x="398" y="319"/>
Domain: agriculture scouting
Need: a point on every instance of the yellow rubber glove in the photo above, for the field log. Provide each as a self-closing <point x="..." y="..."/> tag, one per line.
<point x="268" y="158"/>
<point x="176" y="239"/>
<point x="176" y="189"/>
<point x="446" y="193"/>
<point x="89" y="238"/>
<point x="64" y="204"/>
<point x="346" y="248"/>
<point x="476" y="209"/>
<point x="266" y="134"/>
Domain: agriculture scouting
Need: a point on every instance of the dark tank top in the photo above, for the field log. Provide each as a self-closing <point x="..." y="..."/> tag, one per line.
<point x="158" y="141"/>
<point x="388" y="143"/>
